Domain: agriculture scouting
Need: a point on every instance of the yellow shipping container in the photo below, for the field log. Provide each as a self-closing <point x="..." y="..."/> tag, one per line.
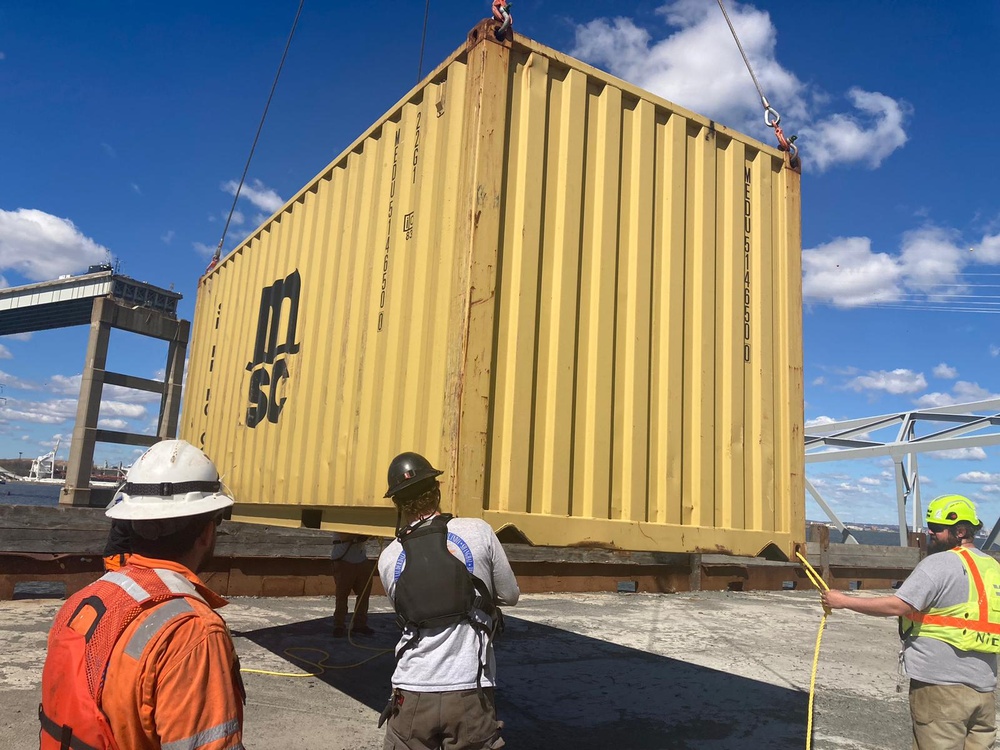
<point x="579" y="300"/>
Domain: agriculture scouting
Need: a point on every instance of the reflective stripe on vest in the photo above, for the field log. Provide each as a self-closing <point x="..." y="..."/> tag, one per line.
<point x="129" y="586"/>
<point x="973" y="625"/>
<point x="154" y="621"/>
<point x="214" y="734"/>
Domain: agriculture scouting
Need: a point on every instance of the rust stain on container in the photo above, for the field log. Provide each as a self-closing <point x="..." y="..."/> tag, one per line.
<point x="581" y="300"/>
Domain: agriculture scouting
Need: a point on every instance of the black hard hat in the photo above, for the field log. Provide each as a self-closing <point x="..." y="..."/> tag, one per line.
<point x="407" y="470"/>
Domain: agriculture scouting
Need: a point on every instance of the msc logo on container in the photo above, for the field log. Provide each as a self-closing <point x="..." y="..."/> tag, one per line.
<point x="275" y="339"/>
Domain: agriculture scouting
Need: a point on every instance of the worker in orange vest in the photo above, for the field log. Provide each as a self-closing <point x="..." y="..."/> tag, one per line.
<point x="140" y="660"/>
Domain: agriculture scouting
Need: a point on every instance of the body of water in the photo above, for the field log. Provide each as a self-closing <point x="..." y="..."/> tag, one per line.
<point x="29" y="493"/>
<point x="881" y="538"/>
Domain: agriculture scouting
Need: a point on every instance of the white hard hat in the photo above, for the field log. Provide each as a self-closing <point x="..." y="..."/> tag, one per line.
<point x="170" y="480"/>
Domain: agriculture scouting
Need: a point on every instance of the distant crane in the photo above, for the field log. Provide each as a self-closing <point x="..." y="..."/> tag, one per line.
<point x="44" y="467"/>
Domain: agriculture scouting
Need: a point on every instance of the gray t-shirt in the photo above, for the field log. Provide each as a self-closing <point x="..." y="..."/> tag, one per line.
<point x="940" y="580"/>
<point x="448" y="658"/>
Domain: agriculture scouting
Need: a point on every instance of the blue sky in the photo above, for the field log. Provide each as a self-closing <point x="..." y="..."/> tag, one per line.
<point x="125" y="126"/>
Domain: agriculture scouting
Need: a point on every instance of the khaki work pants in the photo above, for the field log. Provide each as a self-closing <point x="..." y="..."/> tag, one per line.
<point x="951" y="717"/>
<point x="453" y="720"/>
<point x="351" y="578"/>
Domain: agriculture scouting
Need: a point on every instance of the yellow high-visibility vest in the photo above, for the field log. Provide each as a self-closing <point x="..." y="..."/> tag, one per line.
<point x="973" y="625"/>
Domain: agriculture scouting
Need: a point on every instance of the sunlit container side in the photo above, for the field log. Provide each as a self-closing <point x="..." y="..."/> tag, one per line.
<point x="580" y="300"/>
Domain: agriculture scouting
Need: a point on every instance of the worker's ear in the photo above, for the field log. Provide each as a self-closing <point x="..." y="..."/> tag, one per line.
<point x="207" y="533"/>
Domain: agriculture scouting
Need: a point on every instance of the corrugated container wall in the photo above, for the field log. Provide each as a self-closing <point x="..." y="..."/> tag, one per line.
<point x="581" y="301"/>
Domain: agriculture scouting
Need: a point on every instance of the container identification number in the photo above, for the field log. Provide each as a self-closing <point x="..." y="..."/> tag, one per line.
<point x="746" y="264"/>
<point x="388" y="232"/>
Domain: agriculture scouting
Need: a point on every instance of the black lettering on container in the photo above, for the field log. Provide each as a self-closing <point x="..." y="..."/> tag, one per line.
<point x="388" y="230"/>
<point x="747" y="298"/>
<point x="277" y="321"/>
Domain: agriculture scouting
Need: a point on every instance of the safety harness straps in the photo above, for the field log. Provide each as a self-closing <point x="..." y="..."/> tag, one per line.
<point x="436" y="589"/>
<point x="61" y="733"/>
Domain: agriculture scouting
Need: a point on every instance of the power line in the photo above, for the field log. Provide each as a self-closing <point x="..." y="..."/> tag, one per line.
<point x="902" y="306"/>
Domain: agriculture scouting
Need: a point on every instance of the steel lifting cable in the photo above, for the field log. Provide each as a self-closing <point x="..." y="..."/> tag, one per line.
<point x="423" y="39"/>
<point x="771" y="117"/>
<point x="243" y="177"/>
<point x="820" y="584"/>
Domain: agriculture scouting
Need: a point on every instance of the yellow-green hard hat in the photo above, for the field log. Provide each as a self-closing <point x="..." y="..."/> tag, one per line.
<point x="950" y="509"/>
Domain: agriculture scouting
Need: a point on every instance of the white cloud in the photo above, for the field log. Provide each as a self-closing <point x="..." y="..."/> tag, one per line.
<point x="994" y="350"/>
<point x="819" y="381"/>
<point x="846" y="273"/>
<point x="966" y="391"/>
<point x="871" y="481"/>
<point x="168" y="236"/>
<point x="978" y="477"/>
<point x="960" y="454"/>
<point x="70" y="386"/>
<point x="41" y="246"/>
<point x="988" y="251"/>
<point x="16" y="383"/>
<point x="13" y="412"/>
<point x="257" y="193"/>
<point x="931" y="257"/>
<point x="698" y="66"/>
<point x="962" y="392"/>
<point x="122" y="409"/>
<point x="935" y="399"/>
<point x="895" y="382"/>
<point x="945" y="372"/>
<point x="204" y="250"/>
<point x="851" y="139"/>
<point x="136" y="189"/>
<point x="112" y="424"/>
<point x="5" y="352"/>
<point x="819" y="421"/>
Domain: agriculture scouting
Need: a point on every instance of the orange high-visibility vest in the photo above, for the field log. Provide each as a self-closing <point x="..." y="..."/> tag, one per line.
<point x="80" y="644"/>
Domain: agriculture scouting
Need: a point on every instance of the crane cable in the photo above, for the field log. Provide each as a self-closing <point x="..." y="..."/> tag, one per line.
<point x="771" y="117"/>
<point x="423" y="38"/>
<point x="243" y="177"/>
<point x="820" y="584"/>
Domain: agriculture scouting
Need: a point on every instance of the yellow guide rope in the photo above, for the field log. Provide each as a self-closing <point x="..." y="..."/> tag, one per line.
<point x="820" y="584"/>
<point x="321" y="665"/>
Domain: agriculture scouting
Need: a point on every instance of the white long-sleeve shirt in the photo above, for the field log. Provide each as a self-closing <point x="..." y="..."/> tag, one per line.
<point x="448" y="658"/>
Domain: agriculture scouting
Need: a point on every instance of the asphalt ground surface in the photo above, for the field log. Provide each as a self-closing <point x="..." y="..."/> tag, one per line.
<point x="705" y="670"/>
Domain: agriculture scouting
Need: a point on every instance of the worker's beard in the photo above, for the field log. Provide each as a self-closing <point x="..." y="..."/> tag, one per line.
<point x="936" y="544"/>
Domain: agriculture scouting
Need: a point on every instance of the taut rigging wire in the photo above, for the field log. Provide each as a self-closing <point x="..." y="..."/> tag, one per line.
<point x="771" y="117"/>
<point x="243" y="177"/>
<point x="423" y="38"/>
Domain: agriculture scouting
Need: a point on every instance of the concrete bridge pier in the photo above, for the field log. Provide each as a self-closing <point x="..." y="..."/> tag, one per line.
<point x="107" y="314"/>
